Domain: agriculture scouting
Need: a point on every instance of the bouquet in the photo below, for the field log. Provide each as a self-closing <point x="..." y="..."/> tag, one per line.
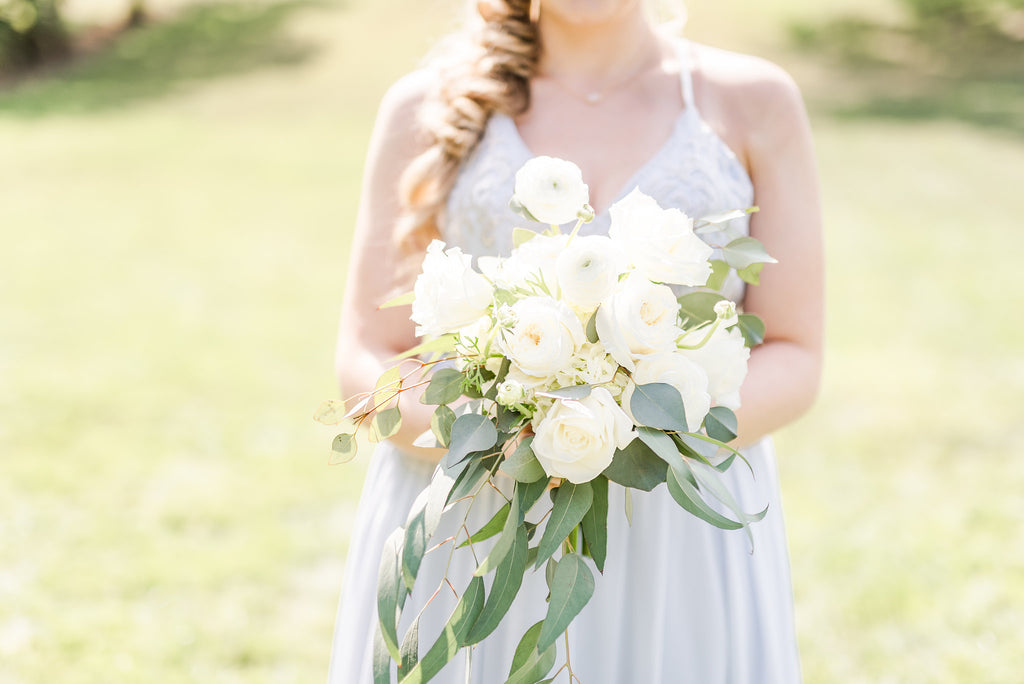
<point x="569" y="365"/>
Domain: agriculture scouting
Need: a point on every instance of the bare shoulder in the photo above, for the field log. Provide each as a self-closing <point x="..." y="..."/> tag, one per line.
<point x="400" y="106"/>
<point x="754" y="100"/>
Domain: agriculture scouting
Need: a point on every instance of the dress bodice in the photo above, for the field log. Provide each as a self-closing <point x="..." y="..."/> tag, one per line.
<point x="693" y="170"/>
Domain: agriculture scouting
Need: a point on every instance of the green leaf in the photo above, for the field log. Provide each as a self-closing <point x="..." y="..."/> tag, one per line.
<point x="330" y="412"/>
<point x="592" y="335"/>
<point x="520" y="236"/>
<point x="636" y="466"/>
<point x="752" y="328"/>
<point x="441" y="424"/>
<point x="444" y="343"/>
<point x="549" y="573"/>
<point x="471" y="432"/>
<point x="453" y="637"/>
<point x="723" y="217"/>
<point x="467" y="481"/>
<point x="699" y="307"/>
<point x="381" y="660"/>
<point x="400" y="300"/>
<point x="388" y="383"/>
<point x="662" y="445"/>
<point x="628" y="497"/>
<point x="658" y="405"/>
<point x="391" y="592"/>
<point x="571" y="588"/>
<point x="595" y="522"/>
<point x="445" y="387"/>
<point x="507" y="580"/>
<point x="424" y="516"/>
<point x="721" y="424"/>
<point x="710" y="480"/>
<point x="522" y="465"/>
<point x="523" y="497"/>
<point x="574" y="392"/>
<point x="687" y="496"/>
<point x="385" y="424"/>
<point x="744" y="251"/>
<point x="571" y="503"/>
<point x="719" y="272"/>
<point x="343" y="448"/>
<point x="411" y="646"/>
<point x="492" y="527"/>
<point x="751" y="274"/>
<point x="529" y="664"/>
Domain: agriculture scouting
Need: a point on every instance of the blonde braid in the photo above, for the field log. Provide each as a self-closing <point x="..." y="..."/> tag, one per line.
<point x="491" y="75"/>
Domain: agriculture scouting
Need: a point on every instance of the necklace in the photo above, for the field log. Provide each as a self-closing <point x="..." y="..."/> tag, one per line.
<point x="596" y="97"/>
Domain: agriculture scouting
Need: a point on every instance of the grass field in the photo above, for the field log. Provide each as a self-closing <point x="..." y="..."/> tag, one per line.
<point x="176" y="214"/>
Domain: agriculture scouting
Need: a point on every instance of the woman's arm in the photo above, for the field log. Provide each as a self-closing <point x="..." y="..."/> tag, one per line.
<point x="785" y="372"/>
<point x="369" y="338"/>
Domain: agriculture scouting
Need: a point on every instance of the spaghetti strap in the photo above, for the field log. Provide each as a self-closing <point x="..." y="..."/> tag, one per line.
<point x="686" y="74"/>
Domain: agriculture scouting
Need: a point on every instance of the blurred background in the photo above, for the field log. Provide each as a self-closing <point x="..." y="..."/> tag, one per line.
<point x="178" y="183"/>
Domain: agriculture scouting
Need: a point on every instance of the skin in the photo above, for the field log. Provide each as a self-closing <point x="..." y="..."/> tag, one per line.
<point x="611" y="46"/>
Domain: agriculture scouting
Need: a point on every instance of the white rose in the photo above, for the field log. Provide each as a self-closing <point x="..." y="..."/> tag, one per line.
<point x="724" y="359"/>
<point x="544" y="338"/>
<point x="639" y="318"/>
<point x="529" y="264"/>
<point x="577" y="439"/>
<point x="659" y="242"/>
<point x="552" y="190"/>
<point x="510" y="393"/>
<point x="588" y="269"/>
<point x="676" y="369"/>
<point x="449" y="294"/>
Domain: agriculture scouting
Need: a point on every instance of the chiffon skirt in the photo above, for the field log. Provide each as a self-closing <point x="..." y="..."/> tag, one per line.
<point x="679" y="600"/>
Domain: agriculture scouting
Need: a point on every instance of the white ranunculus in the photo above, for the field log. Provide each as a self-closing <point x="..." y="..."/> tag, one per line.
<point x="543" y="339"/>
<point x="533" y="261"/>
<point x="676" y="369"/>
<point x="724" y="359"/>
<point x="552" y="190"/>
<point x="449" y="294"/>
<point x="510" y="393"/>
<point x="639" y="318"/>
<point x="588" y="268"/>
<point x="576" y="440"/>
<point x="660" y="243"/>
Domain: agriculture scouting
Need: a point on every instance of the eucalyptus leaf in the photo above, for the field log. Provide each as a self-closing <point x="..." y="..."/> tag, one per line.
<point x="592" y="335"/>
<point x="687" y="496"/>
<point x="722" y="217"/>
<point x="441" y="424"/>
<point x="452" y="638"/>
<point x="467" y="480"/>
<point x="528" y="664"/>
<point x="400" y="300"/>
<point x="636" y="466"/>
<point x="658" y="405"/>
<point x="381" y="660"/>
<point x="751" y="274"/>
<point x="571" y="503"/>
<point x="628" y="499"/>
<point x="595" y="522"/>
<point x="720" y="423"/>
<point x="344" y="448"/>
<point x="424" y="517"/>
<point x="492" y="527"/>
<point x="330" y="412"/>
<point x="523" y="497"/>
<point x="507" y="580"/>
<point x="571" y="589"/>
<point x="662" y="445"/>
<point x="522" y="465"/>
<point x="520" y="236"/>
<point x="445" y="386"/>
<point x="719" y="272"/>
<point x="470" y="433"/>
<point x="391" y="592"/>
<point x="710" y="480"/>
<point x="411" y="646"/>
<point x="444" y="343"/>
<point x="752" y="328"/>
<point x="388" y="383"/>
<point x="385" y="424"/>
<point x="699" y="307"/>
<point x="744" y="251"/>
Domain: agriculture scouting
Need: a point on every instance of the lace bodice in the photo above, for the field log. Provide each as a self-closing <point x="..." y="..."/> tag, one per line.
<point x="693" y="170"/>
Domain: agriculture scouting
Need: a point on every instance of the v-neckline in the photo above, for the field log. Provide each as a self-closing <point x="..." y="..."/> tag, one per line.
<point x="632" y="180"/>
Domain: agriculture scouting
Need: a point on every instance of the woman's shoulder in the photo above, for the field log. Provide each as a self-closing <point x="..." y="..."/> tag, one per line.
<point x="755" y="100"/>
<point x="404" y="98"/>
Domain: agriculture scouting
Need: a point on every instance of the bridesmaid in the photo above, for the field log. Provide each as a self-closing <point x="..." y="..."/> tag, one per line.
<point x="599" y="83"/>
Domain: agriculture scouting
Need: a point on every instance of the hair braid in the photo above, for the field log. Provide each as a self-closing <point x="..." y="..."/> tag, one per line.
<point x="492" y="74"/>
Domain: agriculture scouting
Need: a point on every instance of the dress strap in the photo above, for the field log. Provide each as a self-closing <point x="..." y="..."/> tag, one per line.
<point x="685" y="52"/>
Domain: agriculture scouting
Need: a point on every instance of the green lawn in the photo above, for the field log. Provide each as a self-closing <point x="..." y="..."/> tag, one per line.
<point x="176" y="223"/>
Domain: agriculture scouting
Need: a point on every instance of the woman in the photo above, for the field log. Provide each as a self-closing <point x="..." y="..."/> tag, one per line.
<point x="700" y="129"/>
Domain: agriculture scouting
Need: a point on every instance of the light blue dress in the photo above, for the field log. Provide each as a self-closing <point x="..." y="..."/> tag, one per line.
<point x="679" y="600"/>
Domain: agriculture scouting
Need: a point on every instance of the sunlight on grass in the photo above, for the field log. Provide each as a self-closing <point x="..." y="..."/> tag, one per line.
<point x="173" y="267"/>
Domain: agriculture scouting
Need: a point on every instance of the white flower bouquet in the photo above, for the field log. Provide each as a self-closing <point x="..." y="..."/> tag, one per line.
<point x="569" y="365"/>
